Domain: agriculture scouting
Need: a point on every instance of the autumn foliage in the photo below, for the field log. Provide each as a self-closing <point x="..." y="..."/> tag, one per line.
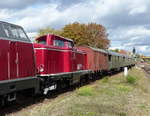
<point x="91" y="34"/>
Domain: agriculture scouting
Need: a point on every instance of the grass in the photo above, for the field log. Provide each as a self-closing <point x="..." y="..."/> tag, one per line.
<point x="111" y="96"/>
<point x="86" y="91"/>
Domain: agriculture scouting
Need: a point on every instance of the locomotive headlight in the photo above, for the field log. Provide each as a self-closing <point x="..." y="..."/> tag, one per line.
<point x="42" y="68"/>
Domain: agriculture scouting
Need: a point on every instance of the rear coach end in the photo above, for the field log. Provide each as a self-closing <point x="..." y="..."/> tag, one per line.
<point x="17" y="69"/>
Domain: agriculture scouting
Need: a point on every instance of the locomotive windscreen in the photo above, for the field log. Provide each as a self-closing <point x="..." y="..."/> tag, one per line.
<point x="13" y="32"/>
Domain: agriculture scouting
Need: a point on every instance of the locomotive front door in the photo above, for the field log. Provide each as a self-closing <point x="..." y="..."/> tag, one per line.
<point x="13" y="60"/>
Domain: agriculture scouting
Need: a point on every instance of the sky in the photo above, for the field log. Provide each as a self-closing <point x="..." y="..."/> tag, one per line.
<point x="127" y="21"/>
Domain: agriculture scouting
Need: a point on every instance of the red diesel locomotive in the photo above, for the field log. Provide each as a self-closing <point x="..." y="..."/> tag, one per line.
<point x="51" y="63"/>
<point x="18" y="68"/>
<point x="58" y="62"/>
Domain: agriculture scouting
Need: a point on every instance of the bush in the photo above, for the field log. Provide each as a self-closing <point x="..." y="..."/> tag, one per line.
<point x="130" y="79"/>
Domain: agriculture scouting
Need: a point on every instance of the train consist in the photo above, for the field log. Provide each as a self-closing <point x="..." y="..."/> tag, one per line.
<point x="51" y="63"/>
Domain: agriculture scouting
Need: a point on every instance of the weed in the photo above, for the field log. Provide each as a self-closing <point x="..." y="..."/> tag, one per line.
<point x="130" y="79"/>
<point x="105" y="80"/>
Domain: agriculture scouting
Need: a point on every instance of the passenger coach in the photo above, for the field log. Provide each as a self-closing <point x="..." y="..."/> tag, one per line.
<point x="97" y="60"/>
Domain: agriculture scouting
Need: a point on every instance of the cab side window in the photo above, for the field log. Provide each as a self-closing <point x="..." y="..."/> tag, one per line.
<point x="58" y="43"/>
<point x="69" y="44"/>
<point x="41" y="41"/>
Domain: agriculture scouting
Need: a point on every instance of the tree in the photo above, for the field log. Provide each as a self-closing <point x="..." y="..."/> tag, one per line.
<point x="115" y="50"/>
<point x="97" y="35"/>
<point x="91" y="34"/>
<point x="48" y="30"/>
<point x="75" y="31"/>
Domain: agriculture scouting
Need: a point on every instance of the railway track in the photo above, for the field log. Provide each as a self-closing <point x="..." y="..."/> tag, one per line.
<point x="146" y="68"/>
<point x="27" y="102"/>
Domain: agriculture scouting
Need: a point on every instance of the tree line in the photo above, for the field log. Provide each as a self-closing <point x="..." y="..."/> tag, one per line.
<point x="90" y="34"/>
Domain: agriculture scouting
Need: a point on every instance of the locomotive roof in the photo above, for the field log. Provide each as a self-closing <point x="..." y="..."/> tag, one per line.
<point x="9" y="24"/>
<point x="55" y="36"/>
<point x="63" y="37"/>
<point x="97" y="49"/>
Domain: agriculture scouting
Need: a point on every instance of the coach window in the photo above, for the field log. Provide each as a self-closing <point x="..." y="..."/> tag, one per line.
<point x="58" y="43"/>
<point x="109" y="58"/>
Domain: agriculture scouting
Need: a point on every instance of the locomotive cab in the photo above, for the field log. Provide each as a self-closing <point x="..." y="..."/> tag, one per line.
<point x="17" y="69"/>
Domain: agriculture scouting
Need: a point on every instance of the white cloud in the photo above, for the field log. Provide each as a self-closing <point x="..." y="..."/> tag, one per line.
<point x="127" y="21"/>
<point x="138" y="10"/>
